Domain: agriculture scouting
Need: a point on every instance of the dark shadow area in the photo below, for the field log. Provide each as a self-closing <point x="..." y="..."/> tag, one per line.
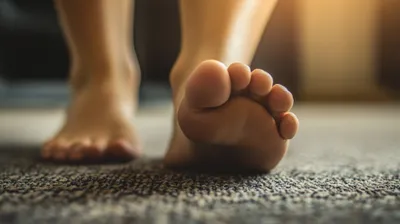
<point x="31" y="154"/>
<point x="389" y="44"/>
<point x="9" y="153"/>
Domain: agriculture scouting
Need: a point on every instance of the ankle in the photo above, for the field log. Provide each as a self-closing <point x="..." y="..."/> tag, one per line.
<point x="83" y="74"/>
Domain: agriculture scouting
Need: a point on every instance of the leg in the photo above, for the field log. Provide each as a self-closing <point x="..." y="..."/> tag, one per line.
<point x="104" y="78"/>
<point x="227" y="117"/>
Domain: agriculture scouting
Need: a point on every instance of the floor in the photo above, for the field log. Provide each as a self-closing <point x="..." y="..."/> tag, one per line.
<point x="343" y="166"/>
<point x="26" y="127"/>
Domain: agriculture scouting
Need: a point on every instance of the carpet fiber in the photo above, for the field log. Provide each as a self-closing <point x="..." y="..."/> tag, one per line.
<point x="342" y="168"/>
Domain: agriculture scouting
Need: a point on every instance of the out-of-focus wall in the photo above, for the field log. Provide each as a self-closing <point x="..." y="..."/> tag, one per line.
<point x="389" y="46"/>
<point x="338" y="58"/>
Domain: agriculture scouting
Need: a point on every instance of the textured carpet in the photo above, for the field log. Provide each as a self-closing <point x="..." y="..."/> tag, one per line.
<point x="342" y="168"/>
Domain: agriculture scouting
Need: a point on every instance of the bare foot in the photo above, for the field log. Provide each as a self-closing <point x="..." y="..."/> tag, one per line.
<point x="98" y="125"/>
<point x="231" y="118"/>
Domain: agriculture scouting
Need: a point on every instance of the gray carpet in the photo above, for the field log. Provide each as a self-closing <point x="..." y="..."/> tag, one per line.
<point x="338" y="170"/>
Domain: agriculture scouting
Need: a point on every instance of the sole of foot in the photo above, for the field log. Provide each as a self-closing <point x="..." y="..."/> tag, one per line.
<point x="231" y="118"/>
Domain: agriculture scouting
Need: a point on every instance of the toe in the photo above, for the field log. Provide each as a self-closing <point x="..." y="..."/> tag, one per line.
<point x="261" y="83"/>
<point x="95" y="150"/>
<point x="59" y="151"/>
<point x="76" y="151"/>
<point x="288" y="126"/>
<point x="46" y="149"/>
<point x="208" y="86"/>
<point x="239" y="74"/>
<point x="279" y="100"/>
<point x="121" y="149"/>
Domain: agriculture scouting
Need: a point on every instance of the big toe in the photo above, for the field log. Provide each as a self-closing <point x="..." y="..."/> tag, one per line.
<point x="208" y="86"/>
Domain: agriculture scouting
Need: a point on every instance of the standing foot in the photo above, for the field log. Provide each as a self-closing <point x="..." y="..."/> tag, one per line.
<point x="98" y="125"/>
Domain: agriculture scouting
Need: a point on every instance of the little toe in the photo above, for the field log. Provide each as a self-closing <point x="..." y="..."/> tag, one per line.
<point x="260" y="84"/>
<point x="240" y="75"/>
<point x="279" y="100"/>
<point x="288" y="126"/>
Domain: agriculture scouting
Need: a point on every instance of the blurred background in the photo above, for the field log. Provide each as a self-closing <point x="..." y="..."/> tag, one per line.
<point x="340" y="58"/>
<point x="332" y="50"/>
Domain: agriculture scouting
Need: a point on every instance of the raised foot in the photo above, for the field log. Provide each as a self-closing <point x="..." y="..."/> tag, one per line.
<point x="97" y="128"/>
<point x="231" y="118"/>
